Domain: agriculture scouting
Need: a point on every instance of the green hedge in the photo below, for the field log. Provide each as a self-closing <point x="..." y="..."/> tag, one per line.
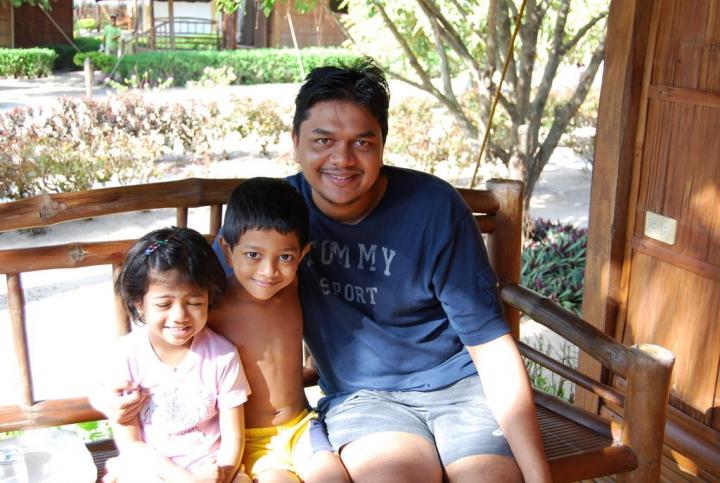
<point x="66" y="52"/>
<point x="252" y="66"/>
<point x="100" y="60"/>
<point x="35" y="62"/>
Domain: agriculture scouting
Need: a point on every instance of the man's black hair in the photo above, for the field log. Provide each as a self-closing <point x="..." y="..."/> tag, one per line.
<point x="181" y="249"/>
<point x="265" y="204"/>
<point x="362" y="83"/>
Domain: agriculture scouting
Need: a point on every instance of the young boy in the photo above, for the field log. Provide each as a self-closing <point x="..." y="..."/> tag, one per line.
<point x="265" y="236"/>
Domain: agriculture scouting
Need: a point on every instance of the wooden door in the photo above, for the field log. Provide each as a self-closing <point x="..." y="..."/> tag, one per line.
<point x="658" y="151"/>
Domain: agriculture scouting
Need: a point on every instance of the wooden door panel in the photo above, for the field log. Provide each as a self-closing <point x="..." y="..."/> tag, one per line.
<point x="681" y="176"/>
<point x="678" y="310"/>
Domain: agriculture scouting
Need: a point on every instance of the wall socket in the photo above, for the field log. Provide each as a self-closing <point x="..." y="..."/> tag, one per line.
<point x="660" y="228"/>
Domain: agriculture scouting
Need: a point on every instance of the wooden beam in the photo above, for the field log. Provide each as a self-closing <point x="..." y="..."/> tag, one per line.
<point x="618" y="116"/>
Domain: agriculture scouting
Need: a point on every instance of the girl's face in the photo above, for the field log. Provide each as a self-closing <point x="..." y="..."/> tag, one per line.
<point x="174" y="311"/>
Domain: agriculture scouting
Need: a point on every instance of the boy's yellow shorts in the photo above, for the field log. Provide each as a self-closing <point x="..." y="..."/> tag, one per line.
<point x="285" y="447"/>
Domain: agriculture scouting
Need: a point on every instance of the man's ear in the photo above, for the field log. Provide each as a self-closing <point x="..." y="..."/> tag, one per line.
<point x="226" y="250"/>
<point x="304" y="251"/>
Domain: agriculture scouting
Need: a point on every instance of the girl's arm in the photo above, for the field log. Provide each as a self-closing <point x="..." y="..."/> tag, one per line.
<point x="232" y="441"/>
<point x="139" y="456"/>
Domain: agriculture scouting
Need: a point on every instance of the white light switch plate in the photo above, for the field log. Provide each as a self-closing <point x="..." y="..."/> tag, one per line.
<point x="660" y="228"/>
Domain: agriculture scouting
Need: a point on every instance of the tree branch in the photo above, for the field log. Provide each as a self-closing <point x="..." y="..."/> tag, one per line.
<point x="451" y="36"/>
<point x="581" y="33"/>
<point x="551" y="67"/>
<point x="565" y="112"/>
<point x="444" y="64"/>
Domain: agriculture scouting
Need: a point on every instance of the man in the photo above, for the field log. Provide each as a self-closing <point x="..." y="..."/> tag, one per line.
<point x="400" y="305"/>
<point x="111" y="37"/>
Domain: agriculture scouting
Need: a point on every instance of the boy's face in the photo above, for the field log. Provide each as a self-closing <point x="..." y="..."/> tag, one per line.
<point x="340" y="150"/>
<point x="264" y="261"/>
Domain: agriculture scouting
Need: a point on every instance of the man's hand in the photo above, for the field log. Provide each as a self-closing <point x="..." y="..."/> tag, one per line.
<point x="121" y="404"/>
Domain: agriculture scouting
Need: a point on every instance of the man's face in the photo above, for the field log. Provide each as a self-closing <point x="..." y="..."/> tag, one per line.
<point x="340" y="148"/>
<point x="113" y="20"/>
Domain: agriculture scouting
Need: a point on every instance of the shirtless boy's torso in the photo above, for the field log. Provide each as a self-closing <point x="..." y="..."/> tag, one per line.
<point x="268" y="335"/>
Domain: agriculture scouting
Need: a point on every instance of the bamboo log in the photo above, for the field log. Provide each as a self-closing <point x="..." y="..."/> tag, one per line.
<point x="48" y="413"/>
<point x="480" y="201"/>
<point x="602" y="390"/>
<point x="16" y="307"/>
<point x="606" y="461"/>
<point x="648" y="389"/>
<point x="599" y="345"/>
<point x="215" y="219"/>
<point x="181" y="216"/>
<point x="71" y="255"/>
<point x="49" y="209"/>
<point x="506" y="244"/>
<point x="122" y="319"/>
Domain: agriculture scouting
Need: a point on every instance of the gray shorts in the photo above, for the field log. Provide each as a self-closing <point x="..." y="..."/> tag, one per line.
<point x="456" y="419"/>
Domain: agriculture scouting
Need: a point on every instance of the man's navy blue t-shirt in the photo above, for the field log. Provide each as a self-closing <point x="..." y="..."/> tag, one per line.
<point x="390" y="302"/>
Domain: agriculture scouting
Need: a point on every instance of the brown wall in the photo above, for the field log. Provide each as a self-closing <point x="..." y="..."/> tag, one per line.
<point x="312" y="29"/>
<point x="5" y="24"/>
<point x="33" y="27"/>
<point x="658" y="150"/>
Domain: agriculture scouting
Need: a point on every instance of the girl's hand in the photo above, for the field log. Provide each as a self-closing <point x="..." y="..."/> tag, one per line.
<point x="209" y="473"/>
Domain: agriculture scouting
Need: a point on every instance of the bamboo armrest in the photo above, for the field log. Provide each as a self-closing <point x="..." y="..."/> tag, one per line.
<point x="602" y="347"/>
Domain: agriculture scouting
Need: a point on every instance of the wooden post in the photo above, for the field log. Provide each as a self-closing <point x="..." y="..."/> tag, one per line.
<point x="618" y="116"/>
<point x="152" y="25"/>
<point x="181" y="216"/>
<point x="16" y="306"/>
<point x="646" y="397"/>
<point x="215" y="218"/>
<point x="506" y="243"/>
<point x="122" y="320"/>
<point x="88" y="71"/>
<point x="171" y="19"/>
<point x="229" y="30"/>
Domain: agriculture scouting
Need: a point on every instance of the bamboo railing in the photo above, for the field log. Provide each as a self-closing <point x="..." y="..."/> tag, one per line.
<point x="579" y="445"/>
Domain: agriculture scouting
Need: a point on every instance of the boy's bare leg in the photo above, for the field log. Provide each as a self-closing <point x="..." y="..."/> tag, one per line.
<point x="392" y="457"/>
<point x="325" y="466"/>
<point x="276" y="476"/>
<point x="493" y="468"/>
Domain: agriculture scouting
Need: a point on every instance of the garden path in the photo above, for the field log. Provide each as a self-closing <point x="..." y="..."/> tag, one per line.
<point x="562" y="193"/>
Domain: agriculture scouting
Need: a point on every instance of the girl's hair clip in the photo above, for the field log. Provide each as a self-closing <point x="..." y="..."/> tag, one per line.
<point x="154" y="246"/>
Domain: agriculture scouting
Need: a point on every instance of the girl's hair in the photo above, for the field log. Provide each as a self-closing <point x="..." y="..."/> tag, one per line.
<point x="181" y="249"/>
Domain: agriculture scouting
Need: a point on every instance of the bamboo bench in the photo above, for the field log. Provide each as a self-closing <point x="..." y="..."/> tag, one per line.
<point x="579" y="445"/>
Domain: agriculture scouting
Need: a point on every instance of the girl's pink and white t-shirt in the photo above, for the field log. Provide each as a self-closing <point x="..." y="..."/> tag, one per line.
<point x="180" y="418"/>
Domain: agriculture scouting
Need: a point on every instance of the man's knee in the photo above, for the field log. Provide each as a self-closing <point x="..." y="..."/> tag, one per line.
<point x="493" y="468"/>
<point x="392" y="457"/>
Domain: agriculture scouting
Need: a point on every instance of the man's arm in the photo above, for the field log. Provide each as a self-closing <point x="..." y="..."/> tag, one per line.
<point x="120" y="404"/>
<point x="509" y="395"/>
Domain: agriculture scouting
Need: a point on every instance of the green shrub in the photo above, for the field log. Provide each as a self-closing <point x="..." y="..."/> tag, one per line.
<point x="36" y="62"/>
<point x="87" y="23"/>
<point x="553" y="262"/>
<point x="424" y="137"/>
<point x="252" y="66"/>
<point x="66" y="52"/>
<point x="100" y="60"/>
<point x="82" y="143"/>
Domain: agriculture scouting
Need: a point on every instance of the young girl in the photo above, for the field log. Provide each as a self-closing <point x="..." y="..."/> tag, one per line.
<point x="190" y="427"/>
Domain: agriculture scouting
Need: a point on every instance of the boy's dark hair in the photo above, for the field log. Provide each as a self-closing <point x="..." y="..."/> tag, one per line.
<point x="181" y="249"/>
<point x="265" y="204"/>
<point x="362" y="83"/>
